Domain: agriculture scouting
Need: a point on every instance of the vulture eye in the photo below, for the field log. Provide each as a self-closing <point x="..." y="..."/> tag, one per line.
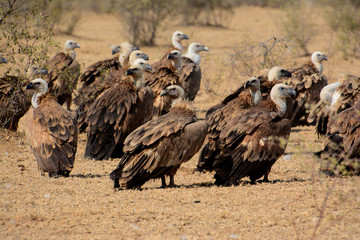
<point x="318" y="54"/>
<point x="138" y="54"/>
<point x="178" y="34"/>
<point x="135" y="69"/>
<point x="282" y="88"/>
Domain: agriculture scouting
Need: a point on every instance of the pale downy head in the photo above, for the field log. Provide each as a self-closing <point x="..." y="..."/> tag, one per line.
<point x="176" y="39"/>
<point x="115" y="49"/>
<point x="125" y="50"/>
<point x="40" y="87"/>
<point x="193" y="52"/>
<point x="137" y="71"/>
<point x="279" y="93"/>
<point x="174" y="91"/>
<point x="137" y="54"/>
<point x="175" y="57"/>
<point x="71" y="45"/>
<point x="36" y="72"/>
<point x="276" y="73"/>
<point x="252" y="83"/>
<point x="316" y="58"/>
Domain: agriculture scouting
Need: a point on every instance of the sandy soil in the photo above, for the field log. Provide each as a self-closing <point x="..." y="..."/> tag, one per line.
<point x="85" y="206"/>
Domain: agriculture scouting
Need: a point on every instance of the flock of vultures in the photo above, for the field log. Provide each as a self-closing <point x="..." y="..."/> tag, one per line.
<point x="142" y="114"/>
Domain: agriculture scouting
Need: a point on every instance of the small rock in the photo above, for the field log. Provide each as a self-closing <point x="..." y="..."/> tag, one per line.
<point x="47" y="195"/>
<point x="233" y="236"/>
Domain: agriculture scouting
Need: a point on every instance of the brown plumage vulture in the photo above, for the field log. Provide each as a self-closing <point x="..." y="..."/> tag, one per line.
<point x="51" y="131"/>
<point x="101" y="76"/>
<point x="64" y="72"/>
<point x="251" y="142"/>
<point x="190" y="70"/>
<point x="219" y="115"/>
<point x="14" y="100"/>
<point x="176" y="39"/>
<point x="307" y="80"/>
<point x="341" y="154"/>
<point x="163" y="77"/>
<point x="161" y="145"/>
<point x="117" y="112"/>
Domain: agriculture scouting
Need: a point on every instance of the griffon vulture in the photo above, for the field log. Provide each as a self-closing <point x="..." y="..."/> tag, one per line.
<point x="104" y="75"/>
<point x="218" y="117"/>
<point x="190" y="70"/>
<point x="342" y="151"/>
<point x="64" y="72"/>
<point x="307" y="81"/>
<point x="161" y="145"/>
<point x="14" y="101"/>
<point x="251" y="142"/>
<point x="176" y="39"/>
<point x="163" y="77"/>
<point x="117" y="112"/>
<point x="51" y="131"/>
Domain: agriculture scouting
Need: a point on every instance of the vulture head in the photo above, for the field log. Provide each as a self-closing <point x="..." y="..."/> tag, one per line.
<point x="175" y="57"/>
<point x="136" y="54"/>
<point x="193" y="52"/>
<point x="276" y="73"/>
<point x="3" y="60"/>
<point x="125" y="50"/>
<point x="137" y="71"/>
<point x="115" y="49"/>
<point x="40" y="87"/>
<point x="279" y="93"/>
<point x="35" y="71"/>
<point x="177" y="37"/>
<point x="71" y="45"/>
<point x="252" y="83"/>
<point x="316" y="58"/>
<point x="174" y="91"/>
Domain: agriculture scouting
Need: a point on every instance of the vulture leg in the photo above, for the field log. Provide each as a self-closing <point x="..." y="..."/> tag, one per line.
<point x="116" y="183"/>
<point x="171" y="175"/>
<point x="266" y="176"/>
<point x="163" y="182"/>
<point x="68" y="102"/>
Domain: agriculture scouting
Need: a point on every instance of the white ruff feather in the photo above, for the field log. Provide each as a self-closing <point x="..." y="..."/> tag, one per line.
<point x="195" y="57"/>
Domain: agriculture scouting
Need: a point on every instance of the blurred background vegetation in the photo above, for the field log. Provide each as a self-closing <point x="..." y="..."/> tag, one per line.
<point x="27" y="26"/>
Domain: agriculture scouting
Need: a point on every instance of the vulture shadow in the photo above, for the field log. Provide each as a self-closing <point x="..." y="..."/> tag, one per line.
<point x="88" y="175"/>
<point x="292" y="180"/>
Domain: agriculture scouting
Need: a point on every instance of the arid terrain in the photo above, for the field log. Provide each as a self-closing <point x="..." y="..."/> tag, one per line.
<point x="298" y="202"/>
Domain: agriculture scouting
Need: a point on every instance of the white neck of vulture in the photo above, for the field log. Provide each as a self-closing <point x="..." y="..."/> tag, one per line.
<point x="138" y="80"/>
<point x="256" y="96"/>
<point x="71" y="53"/>
<point x="34" y="100"/>
<point x="195" y="57"/>
<point x="280" y="103"/>
<point x="124" y="56"/>
<point x="319" y="66"/>
<point x="177" y="44"/>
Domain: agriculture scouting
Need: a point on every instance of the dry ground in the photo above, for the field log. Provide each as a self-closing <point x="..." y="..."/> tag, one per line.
<point x="85" y="206"/>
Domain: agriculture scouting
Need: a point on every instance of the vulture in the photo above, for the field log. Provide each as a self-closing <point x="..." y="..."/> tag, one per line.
<point x="163" y="77"/>
<point x="176" y="39"/>
<point x="218" y="116"/>
<point x="117" y="112"/>
<point x="101" y="76"/>
<point x="320" y="114"/>
<point x="307" y="81"/>
<point x="51" y="132"/>
<point x="342" y="151"/>
<point x="190" y="70"/>
<point x="14" y="100"/>
<point x="251" y="142"/>
<point x="158" y="147"/>
<point x="64" y="72"/>
<point x="335" y="98"/>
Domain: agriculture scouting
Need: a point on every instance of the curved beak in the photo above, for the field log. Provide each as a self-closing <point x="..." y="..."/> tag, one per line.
<point x="292" y="92"/>
<point x="44" y="71"/>
<point x="135" y="48"/>
<point x="145" y="57"/>
<point x="247" y="84"/>
<point x="163" y="92"/>
<point x="148" y="68"/>
<point x="206" y="49"/>
<point x="325" y="58"/>
<point x="29" y="86"/>
<point x="77" y="46"/>
<point x="185" y="37"/>
<point x="115" y="50"/>
<point x="129" y="72"/>
<point x="285" y="73"/>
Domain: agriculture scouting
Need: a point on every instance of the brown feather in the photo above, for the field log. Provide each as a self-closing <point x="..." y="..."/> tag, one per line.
<point x="190" y="78"/>
<point x="159" y="146"/>
<point x="115" y="114"/>
<point x="52" y="134"/>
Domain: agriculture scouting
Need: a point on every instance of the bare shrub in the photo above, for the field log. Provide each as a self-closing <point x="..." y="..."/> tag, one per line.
<point x="143" y="18"/>
<point x="250" y="56"/>
<point x="343" y="17"/>
<point x="209" y="13"/>
<point x="26" y="36"/>
<point x="298" y="24"/>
